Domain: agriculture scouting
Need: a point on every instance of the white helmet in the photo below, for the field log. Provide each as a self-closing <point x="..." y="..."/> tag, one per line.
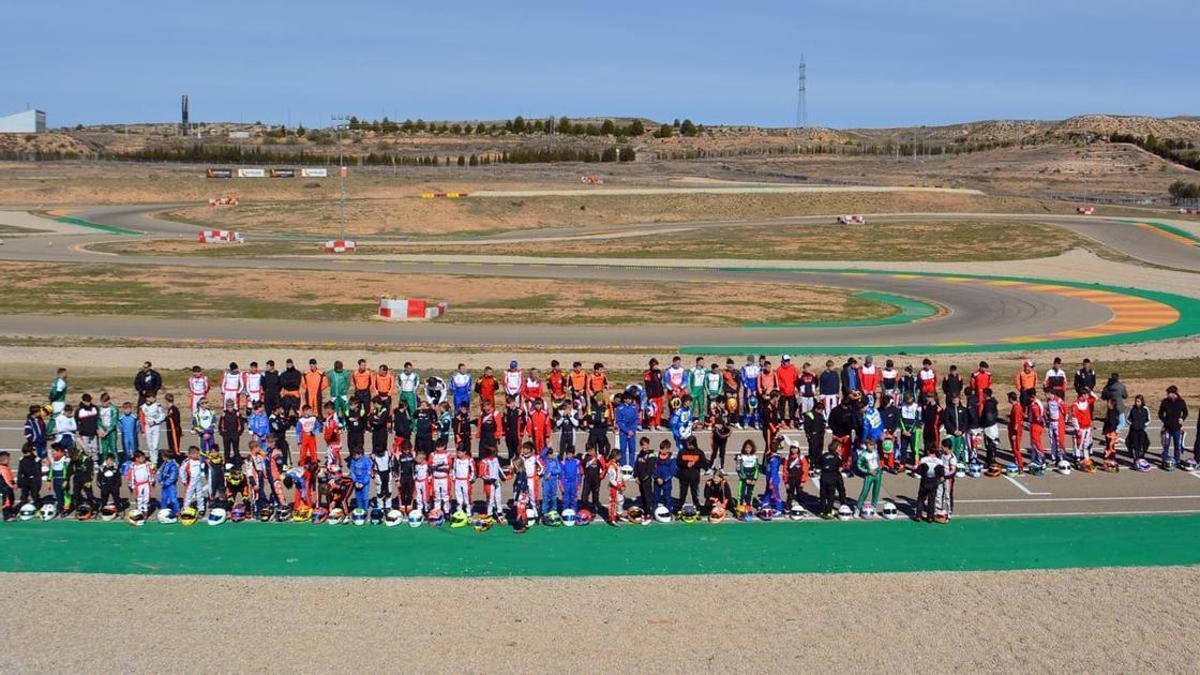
<point x="336" y="516"/>
<point x="136" y="518"/>
<point x="797" y="512"/>
<point x="889" y="510"/>
<point x="217" y="516"/>
<point x="415" y="518"/>
<point x="393" y="517"/>
<point x="844" y="512"/>
<point x="662" y="514"/>
<point x="49" y="511"/>
<point x="531" y="514"/>
<point x="1064" y="467"/>
<point x="166" y="517"/>
<point x="626" y="472"/>
<point x="27" y="512"/>
<point x="867" y="512"/>
<point x="568" y="517"/>
<point x="358" y="516"/>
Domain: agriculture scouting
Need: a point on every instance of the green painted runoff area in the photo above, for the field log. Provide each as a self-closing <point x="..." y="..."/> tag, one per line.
<point x="1165" y="227"/>
<point x="95" y="226"/>
<point x="287" y="549"/>
<point x="908" y="310"/>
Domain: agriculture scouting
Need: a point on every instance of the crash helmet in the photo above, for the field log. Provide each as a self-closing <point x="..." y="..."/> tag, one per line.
<point x="266" y="514"/>
<point x="29" y="510"/>
<point x="415" y="518"/>
<point x="716" y="514"/>
<point x="237" y="514"/>
<point x="1037" y="469"/>
<point x="1143" y="465"/>
<point x="675" y="402"/>
<point x="796" y="512"/>
<point x="1110" y="466"/>
<point x="358" y="516"/>
<point x="135" y="517"/>
<point x="376" y="516"/>
<point x="752" y="402"/>
<point x="662" y="514"/>
<point x="888" y="446"/>
<point x="48" y="511"/>
<point x="109" y="512"/>
<point x="1064" y="467"/>
<point x="689" y="514"/>
<point x="1168" y="464"/>
<point x="634" y="514"/>
<point x="393" y="517"/>
<point x="283" y="514"/>
<point x="731" y="404"/>
<point x="975" y="468"/>
<point x="1012" y="470"/>
<point x="889" y="510"/>
<point x="435" y="517"/>
<point x="84" y="512"/>
<point x="531" y="514"/>
<point x="584" y="517"/>
<point x="1087" y="465"/>
<point x="217" y="516"/>
<point x="166" y="517"/>
<point x="319" y="515"/>
<point x="483" y="523"/>
<point x="766" y="513"/>
<point x="1188" y="465"/>
<point x="302" y="514"/>
<point x="867" y="512"/>
<point x="844" y="512"/>
<point x="188" y="515"/>
<point x="626" y="472"/>
<point x="569" y="517"/>
<point x="459" y="519"/>
<point x="337" y="516"/>
<point x="553" y="519"/>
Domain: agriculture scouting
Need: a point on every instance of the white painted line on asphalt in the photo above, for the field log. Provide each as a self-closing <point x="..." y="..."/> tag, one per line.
<point x="1022" y="488"/>
<point x="1074" y="513"/>
<point x="1073" y="499"/>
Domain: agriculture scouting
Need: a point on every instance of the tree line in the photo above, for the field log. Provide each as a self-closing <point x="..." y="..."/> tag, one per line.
<point x="1178" y="151"/>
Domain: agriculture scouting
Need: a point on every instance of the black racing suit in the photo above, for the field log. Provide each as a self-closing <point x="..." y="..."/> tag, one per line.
<point x="643" y="473"/>
<point x="831" y="481"/>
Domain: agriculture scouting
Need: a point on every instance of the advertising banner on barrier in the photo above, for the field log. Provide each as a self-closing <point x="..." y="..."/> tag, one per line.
<point x="283" y="173"/>
<point x="220" y="173"/>
<point x="251" y="173"/>
<point x="321" y="172"/>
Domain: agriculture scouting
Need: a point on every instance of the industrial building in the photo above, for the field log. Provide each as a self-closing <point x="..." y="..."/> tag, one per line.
<point x="28" y="122"/>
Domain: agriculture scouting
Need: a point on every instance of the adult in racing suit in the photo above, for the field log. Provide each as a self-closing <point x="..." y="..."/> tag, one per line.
<point x="461" y="386"/>
<point x="339" y="391"/>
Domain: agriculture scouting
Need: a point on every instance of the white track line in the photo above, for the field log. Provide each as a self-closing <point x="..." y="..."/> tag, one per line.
<point x="1022" y="488"/>
<point x="1072" y="499"/>
<point x="1074" y="513"/>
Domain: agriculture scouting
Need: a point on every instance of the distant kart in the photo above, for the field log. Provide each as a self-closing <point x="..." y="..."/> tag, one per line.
<point x="853" y="219"/>
<point x="1085" y="210"/>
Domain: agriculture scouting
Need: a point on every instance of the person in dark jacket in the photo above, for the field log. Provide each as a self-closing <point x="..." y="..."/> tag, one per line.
<point x="989" y="422"/>
<point x="1085" y="377"/>
<point x="841" y="425"/>
<point x="1138" y="418"/>
<point x="35" y="430"/>
<point x="831" y="479"/>
<point x="931" y="472"/>
<point x="643" y="473"/>
<point x="289" y="387"/>
<point x="29" y="476"/>
<point x="956" y="421"/>
<point x="717" y="493"/>
<point x="271" y="387"/>
<point x="231" y="426"/>
<point x="1172" y="412"/>
<point x="147" y="382"/>
<point x="688" y="466"/>
<point x="814" y="432"/>
<point x="952" y="384"/>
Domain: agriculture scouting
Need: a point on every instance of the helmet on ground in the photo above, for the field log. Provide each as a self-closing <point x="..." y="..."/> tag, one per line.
<point x="584" y="517"/>
<point x="188" y="515"/>
<point x="108" y="512"/>
<point x="283" y="514"/>
<point x="796" y="512"/>
<point x="744" y="512"/>
<point x="689" y="514"/>
<point x="29" y="510"/>
<point x="393" y="517"/>
<point x="867" y="512"/>
<point x="136" y="518"/>
<point x="238" y="513"/>
<point x="1087" y="465"/>
<point x="84" y="512"/>
<point x="1188" y="465"/>
<point x="266" y="514"/>
<point x="731" y="404"/>
<point x="767" y="513"/>
<point x="1142" y="465"/>
<point x="531" y="514"/>
<point x="1168" y="465"/>
<point x="436" y="517"/>
<point x="634" y="514"/>
<point x="975" y="468"/>
<point x="844" y="512"/>
<point x="337" y="516"/>
<point x="716" y="514"/>
<point x="49" y="511"/>
<point x="569" y="517"/>
<point x="1110" y="466"/>
<point x="376" y="516"/>
<point x="1064" y="467"/>
<point x="889" y="510"/>
<point x="1037" y="469"/>
<point x="166" y="517"/>
<point x="626" y="472"/>
<point x="459" y="519"/>
<point x="358" y="516"/>
<point x="483" y="523"/>
<point x="1012" y="470"/>
<point x="995" y="470"/>
<point x="319" y="515"/>
<point x="302" y="514"/>
<point x="415" y="518"/>
<point x="553" y="519"/>
<point x="662" y="514"/>
<point x="216" y="516"/>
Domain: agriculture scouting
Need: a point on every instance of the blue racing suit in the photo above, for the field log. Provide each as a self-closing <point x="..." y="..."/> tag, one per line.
<point x="128" y="426"/>
<point x="681" y="426"/>
<point x="461" y="385"/>
<point x="628" y="423"/>
<point x="259" y="425"/>
<point x="551" y="476"/>
<point x="571" y="470"/>
<point x="664" y="470"/>
<point x="360" y="473"/>
<point x="872" y="429"/>
<point x="749" y="377"/>
<point x="168" y="478"/>
<point x="771" y="496"/>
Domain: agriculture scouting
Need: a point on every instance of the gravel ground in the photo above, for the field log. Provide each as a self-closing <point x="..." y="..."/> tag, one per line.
<point x="1099" y="620"/>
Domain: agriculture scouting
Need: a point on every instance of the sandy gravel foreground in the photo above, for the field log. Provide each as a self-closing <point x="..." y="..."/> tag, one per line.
<point x="1102" y="620"/>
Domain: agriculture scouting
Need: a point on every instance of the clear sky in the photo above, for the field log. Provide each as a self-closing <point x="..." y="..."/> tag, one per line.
<point x="870" y="62"/>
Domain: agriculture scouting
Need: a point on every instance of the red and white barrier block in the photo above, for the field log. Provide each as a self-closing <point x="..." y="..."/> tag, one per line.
<point x="1085" y="210"/>
<point x="407" y="309"/>
<point x="1189" y="212"/>
<point x="220" y="237"/>
<point x="851" y="219"/>
<point x="340" y="246"/>
<point x="227" y="200"/>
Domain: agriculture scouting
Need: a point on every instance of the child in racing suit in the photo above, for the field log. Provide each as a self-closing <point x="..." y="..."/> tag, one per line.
<point x="168" y="478"/>
<point x="109" y="479"/>
<point x="140" y="478"/>
<point x="464" y="477"/>
<point x="747" y="472"/>
<point x="195" y="470"/>
<point x="361" y="468"/>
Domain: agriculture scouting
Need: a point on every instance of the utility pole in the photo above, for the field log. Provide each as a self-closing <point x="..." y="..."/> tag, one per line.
<point x="339" y="121"/>
<point x="801" y="97"/>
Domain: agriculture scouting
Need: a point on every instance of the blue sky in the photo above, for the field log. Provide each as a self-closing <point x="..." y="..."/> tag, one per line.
<point x="870" y="63"/>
